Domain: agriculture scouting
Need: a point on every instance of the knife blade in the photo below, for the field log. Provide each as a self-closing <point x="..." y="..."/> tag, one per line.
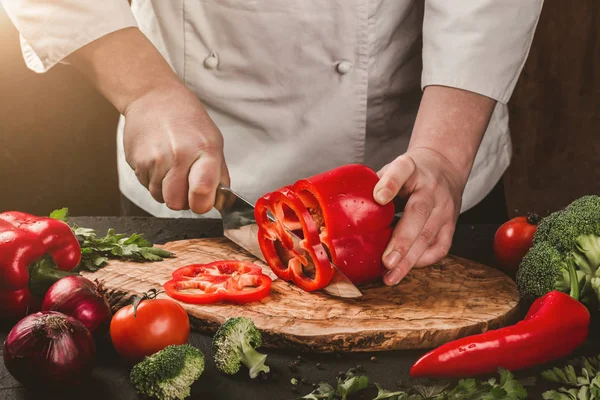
<point x="240" y="227"/>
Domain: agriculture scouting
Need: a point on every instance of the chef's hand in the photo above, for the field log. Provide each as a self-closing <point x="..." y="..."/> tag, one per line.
<point x="175" y="148"/>
<point x="432" y="190"/>
<point x="431" y="176"/>
<point x="170" y="141"/>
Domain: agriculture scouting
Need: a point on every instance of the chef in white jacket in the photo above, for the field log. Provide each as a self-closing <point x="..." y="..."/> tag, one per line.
<point x="257" y="94"/>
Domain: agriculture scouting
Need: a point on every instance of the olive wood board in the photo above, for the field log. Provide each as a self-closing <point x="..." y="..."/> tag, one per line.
<point x="431" y="306"/>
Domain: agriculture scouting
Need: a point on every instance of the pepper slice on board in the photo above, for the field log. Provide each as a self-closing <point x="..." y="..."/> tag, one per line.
<point x="231" y="281"/>
<point x="555" y="325"/>
<point x="219" y="268"/>
<point x="34" y="253"/>
<point x="337" y="218"/>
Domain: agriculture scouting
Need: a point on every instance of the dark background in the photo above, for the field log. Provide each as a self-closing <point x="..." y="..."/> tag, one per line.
<point x="58" y="136"/>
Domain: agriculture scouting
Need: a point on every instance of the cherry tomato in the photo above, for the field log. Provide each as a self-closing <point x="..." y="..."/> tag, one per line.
<point x="157" y="323"/>
<point x="512" y="241"/>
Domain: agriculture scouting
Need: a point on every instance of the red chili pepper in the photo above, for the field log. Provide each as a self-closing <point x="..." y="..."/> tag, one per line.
<point x="25" y="241"/>
<point x="336" y="216"/>
<point x="230" y="281"/>
<point x="554" y="327"/>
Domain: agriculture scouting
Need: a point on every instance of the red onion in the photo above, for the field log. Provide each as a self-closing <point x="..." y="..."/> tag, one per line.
<point x="80" y="298"/>
<point x="51" y="349"/>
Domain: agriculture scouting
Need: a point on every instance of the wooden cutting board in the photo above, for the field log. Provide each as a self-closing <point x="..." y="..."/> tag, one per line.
<point x="432" y="305"/>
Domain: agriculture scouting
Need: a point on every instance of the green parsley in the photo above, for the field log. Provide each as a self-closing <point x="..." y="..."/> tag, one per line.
<point x="96" y="251"/>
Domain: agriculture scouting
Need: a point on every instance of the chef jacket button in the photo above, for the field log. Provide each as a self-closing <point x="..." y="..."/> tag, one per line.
<point x="211" y="61"/>
<point x="344" y="66"/>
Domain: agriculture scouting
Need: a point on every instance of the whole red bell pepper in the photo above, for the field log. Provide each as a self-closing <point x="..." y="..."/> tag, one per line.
<point x="26" y="243"/>
<point x="337" y="218"/>
<point x="555" y="325"/>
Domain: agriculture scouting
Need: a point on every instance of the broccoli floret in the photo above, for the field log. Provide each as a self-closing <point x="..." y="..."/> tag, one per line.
<point x="235" y="343"/>
<point x="169" y="373"/>
<point x="542" y="270"/>
<point x="544" y="227"/>
<point x="565" y="254"/>
<point x="581" y="217"/>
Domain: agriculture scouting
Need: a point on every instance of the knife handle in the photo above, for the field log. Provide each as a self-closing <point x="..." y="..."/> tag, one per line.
<point x="223" y="197"/>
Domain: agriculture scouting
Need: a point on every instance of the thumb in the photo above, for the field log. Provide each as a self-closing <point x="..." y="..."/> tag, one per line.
<point x="204" y="178"/>
<point x="393" y="176"/>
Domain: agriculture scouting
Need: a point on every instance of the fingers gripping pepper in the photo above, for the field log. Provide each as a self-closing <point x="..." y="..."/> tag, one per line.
<point x="336" y="217"/>
<point x="555" y="325"/>
<point x="25" y="240"/>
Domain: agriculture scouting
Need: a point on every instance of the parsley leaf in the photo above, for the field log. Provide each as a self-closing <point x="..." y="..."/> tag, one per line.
<point x="351" y="384"/>
<point x="585" y="386"/>
<point x="60" y="214"/>
<point x="383" y="394"/>
<point x="323" y="391"/>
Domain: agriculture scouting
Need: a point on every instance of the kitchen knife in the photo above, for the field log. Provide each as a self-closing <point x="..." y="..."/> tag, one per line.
<point x="240" y="227"/>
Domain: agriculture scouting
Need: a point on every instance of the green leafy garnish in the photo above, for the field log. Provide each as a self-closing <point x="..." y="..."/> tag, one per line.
<point x="582" y="386"/>
<point x="346" y="385"/>
<point x="383" y="394"/>
<point x="96" y="251"/>
<point x="351" y="384"/>
<point x="60" y="214"/>
<point x="323" y="391"/>
<point x="505" y="388"/>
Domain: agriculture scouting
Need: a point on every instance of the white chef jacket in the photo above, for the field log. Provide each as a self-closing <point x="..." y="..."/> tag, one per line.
<point x="298" y="87"/>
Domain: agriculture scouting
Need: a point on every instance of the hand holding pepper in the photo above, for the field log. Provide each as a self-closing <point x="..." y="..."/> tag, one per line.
<point x="431" y="177"/>
<point x="424" y="233"/>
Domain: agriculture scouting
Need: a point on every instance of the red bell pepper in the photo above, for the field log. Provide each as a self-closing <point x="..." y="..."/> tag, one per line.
<point x="337" y="218"/>
<point x="555" y="325"/>
<point x="26" y="241"/>
<point x="230" y="281"/>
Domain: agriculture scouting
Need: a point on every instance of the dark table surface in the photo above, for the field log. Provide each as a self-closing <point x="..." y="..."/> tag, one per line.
<point x="110" y="379"/>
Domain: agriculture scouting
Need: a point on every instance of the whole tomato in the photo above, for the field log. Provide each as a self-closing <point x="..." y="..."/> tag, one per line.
<point x="512" y="241"/>
<point x="156" y="324"/>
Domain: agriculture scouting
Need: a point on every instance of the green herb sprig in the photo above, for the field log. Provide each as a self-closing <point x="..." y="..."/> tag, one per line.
<point x="582" y="386"/>
<point x="504" y="388"/>
<point x="96" y="251"/>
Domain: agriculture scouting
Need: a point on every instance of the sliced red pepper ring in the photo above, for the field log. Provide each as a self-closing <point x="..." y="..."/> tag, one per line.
<point x="217" y="268"/>
<point x="230" y="281"/>
<point x="308" y="267"/>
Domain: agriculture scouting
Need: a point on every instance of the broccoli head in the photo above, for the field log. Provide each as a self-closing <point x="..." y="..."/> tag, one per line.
<point x="563" y="228"/>
<point x="169" y="373"/>
<point x="565" y="254"/>
<point x="235" y="343"/>
<point x="545" y="226"/>
<point x="542" y="270"/>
